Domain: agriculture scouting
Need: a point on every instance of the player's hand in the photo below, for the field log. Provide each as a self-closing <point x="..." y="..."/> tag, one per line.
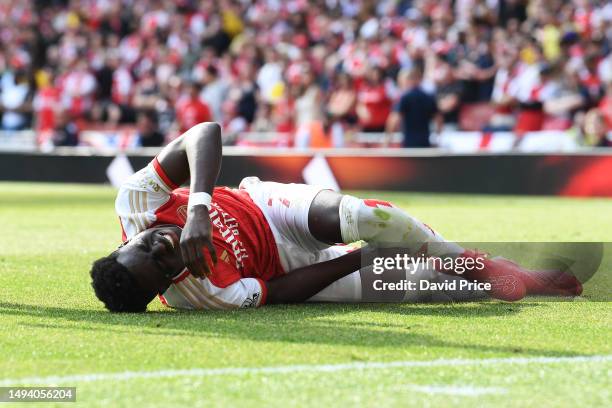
<point x="196" y="239"/>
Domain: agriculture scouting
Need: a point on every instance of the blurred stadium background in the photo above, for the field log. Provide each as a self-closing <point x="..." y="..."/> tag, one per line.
<point x="526" y="80"/>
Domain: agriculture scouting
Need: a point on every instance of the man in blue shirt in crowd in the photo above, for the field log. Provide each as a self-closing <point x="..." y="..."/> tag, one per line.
<point x="415" y="110"/>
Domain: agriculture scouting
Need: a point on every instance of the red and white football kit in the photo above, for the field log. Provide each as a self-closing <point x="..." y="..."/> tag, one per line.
<point x="260" y="231"/>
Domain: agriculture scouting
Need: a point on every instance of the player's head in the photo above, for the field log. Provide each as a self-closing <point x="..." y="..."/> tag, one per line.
<point x="130" y="277"/>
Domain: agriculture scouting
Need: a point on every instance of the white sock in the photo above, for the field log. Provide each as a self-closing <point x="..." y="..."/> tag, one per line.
<point x="381" y="223"/>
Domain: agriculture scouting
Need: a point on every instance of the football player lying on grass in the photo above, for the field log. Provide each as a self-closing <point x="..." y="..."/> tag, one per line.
<point x="207" y="247"/>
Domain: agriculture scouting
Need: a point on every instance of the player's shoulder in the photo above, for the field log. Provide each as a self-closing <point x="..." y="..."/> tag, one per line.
<point x="139" y="197"/>
<point x="239" y="199"/>
<point x="150" y="178"/>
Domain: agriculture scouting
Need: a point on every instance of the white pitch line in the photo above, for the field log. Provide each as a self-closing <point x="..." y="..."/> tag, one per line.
<point x="207" y="372"/>
<point x="462" y="391"/>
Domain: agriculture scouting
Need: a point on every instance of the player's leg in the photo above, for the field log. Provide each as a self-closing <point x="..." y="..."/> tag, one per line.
<point x="337" y="217"/>
<point x="345" y="290"/>
<point x="366" y="286"/>
<point x="334" y="217"/>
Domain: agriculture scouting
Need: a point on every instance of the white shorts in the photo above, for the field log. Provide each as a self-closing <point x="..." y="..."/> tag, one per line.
<point x="286" y="208"/>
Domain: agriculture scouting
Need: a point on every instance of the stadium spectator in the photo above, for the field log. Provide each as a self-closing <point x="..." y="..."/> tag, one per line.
<point x="526" y="88"/>
<point x="115" y="92"/>
<point x="415" y="110"/>
<point x="66" y="131"/>
<point x="448" y="94"/>
<point x="270" y="76"/>
<point x="595" y="130"/>
<point x="342" y="101"/>
<point x="46" y="102"/>
<point x="190" y="110"/>
<point x="262" y="123"/>
<point x="308" y="104"/>
<point x="244" y="92"/>
<point x="146" y="91"/>
<point x="503" y="118"/>
<point x="15" y="100"/>
<point x="214" y="91"/>
<point x="147" y="130"/>
<point x="373" y="102"/>
<point x="563" y="97"/>
<point x="78" y="85"/>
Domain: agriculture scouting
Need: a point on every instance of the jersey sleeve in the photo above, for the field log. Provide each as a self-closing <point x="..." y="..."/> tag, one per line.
<point x="231" y="290"/>
<point x="189" y="292"/>
<point x="245" y="293"/>
<point x="140" y="196"/>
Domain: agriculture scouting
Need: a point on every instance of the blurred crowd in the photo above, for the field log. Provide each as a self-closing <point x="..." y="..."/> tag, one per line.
<point x="317" y="71"/>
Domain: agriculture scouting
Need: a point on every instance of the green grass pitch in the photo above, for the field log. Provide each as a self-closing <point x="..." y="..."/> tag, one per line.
<point x="52" y="325"/>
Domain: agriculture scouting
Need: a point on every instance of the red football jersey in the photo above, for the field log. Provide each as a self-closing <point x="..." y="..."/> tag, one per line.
<point x="242" y="237"/>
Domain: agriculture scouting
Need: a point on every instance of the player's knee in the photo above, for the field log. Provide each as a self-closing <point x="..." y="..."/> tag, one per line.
<point x="385" y="213"/>
<point x="324" y="216"/>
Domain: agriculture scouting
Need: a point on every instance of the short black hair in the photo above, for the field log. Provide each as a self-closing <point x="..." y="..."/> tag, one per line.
<point x="116" y="287"/>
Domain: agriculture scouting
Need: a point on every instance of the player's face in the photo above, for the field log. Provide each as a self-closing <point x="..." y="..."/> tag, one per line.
<point x="153" y="257"/>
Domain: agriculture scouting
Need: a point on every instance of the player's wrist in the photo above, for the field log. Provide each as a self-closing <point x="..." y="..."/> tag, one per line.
<point x="200" y="201"/>
<point x="198" y="210"/>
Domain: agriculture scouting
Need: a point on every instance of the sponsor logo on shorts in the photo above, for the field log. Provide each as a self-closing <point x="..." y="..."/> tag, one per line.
<point x="251" y="301"/>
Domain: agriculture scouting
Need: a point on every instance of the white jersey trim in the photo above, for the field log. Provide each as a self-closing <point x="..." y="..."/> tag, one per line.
<point x="139" y="198"/>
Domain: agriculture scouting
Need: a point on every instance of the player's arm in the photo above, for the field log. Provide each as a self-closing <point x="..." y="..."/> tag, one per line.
<point x="195" y="156"/>
<point x="303" y="283"/>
